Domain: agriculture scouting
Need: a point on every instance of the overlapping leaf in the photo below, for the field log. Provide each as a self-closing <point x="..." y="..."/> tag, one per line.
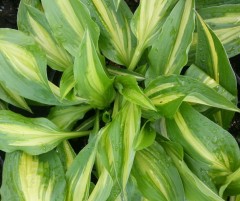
<point x="32" y="135"/>
<point x="170" y="51"/>
<point x="68" y="21"/>
<point x="36" y="178"/>
<point x="92" y="81"/>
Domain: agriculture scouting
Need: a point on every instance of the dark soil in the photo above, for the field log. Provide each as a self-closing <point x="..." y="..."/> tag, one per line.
<point x="8" y="10"/>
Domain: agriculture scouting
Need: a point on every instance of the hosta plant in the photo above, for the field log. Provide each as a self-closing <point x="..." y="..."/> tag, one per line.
<point x="148" y="97"/>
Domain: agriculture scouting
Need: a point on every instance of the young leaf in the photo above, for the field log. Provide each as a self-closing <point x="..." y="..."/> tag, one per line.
<point x="78" y="175"/>
<point x="204" y="141"/>
<point x="33" y="22"/>
<point x="116" y="40"/>
<point x="156" y="176"/>
<point x="31" y="135"/>
<point x="92" y="81"/>
<point x="116" y="147"/>
<point x="68" y="21"/>
<point x="170" y="51"/>
<point x="168" y="92"/>
<point x="65" y="117"/>
<point x="128" y="87"/>
<point x="23" y="67"/>
<point x="37" y="178"/>
<point x="146" y="24"/>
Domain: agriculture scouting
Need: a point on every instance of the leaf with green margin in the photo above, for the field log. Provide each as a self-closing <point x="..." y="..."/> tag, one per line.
<point x="79" y="174"/>
<point x="196" y="73"/>
<point x="65" y="117"/>
<point x="128" y="87"/>
<point x="67" y="82"/>
<point x="33" y="22"/>
<point x="209" y="3"/>
<point x="146" y="24"/>
<point x="69" y="19"/>
<point x="212" y="59"/>
<point x="92" y="80"/>
<point x="168" y="92"/>
<point x="66" y="154"/>
<point x="157" y="177"/>
<point x="194" y="188"/>
<point x="146" y="136"/>
<point x="204" y="141"/>
<point x="116" y="147"/>
<point x="13" y="98"/>
<point x="23" y="67"/>
<point x="116" y="40"/>
<point x="99" y="193"/>
<point x="31" y="135"/>
<point x="174" y="41"/>
<point x="27" y="177"/>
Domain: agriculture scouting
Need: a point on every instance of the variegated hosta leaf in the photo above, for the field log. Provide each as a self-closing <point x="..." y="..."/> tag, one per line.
<point x="116" y="40"/>
<point x="194" y="188"/>
<point x="168" y="92"/>
<point x="146" y="24"/>
<point x="204" y="141"/>
<point x="32" y="135"/>
<point x="209" y="3"/>
<point x="92" y="81"/>
<point x="23" y="67"/>
<point x="212" y="59"/>
<point x="128" y="87"/>
<point x="34" y="22"/>
<point x="170" y="51"/>
<point x="66" y="154"/>
<point x="37" y="178"/>
<point x="156" y="176"/>
<point x="103" y="187"/>
<point x="13" y="98"/>
<point x="232" y="184"/>
<point x="79" y="174"/>
<point x="67" y="82"/>
<point x="117" y="146"/>
<point x="69" y="19"/>
<point x="224" y="21"/>
<point x="65" y="117"/>
<point x="196" y="73"/>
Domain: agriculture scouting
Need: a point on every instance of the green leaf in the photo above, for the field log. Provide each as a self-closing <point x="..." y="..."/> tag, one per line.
<point x="212" y="59"/>
<point x="92" y="81"/>
<point x="224" y="21"/>
<point x="33" y="22"/>
<point x="146" y="136"/>
<point x="194" y="188"/>
<point x="128" y="87"/>
<point x="116" y="40"/>
<point x="31" y="135"/>
<point x="66" y="154"/>
<point x="204" y="141"/>
<point x="116" y="147"/>
<point x="23" y="67"/>
<point x="79" y="174"/>
<point x="209" y="3"/>
<point x="68" y="21"/>
<point x="147" y="23"/>
<point x="27" y="177"/>
<point x="174" y="41"/>
<point x="156" y="176"/>
<point x="13" y="98"/>
<point x="168" y="92"/>
<point x="116" y="3"/>
<point x="66" y="117"/>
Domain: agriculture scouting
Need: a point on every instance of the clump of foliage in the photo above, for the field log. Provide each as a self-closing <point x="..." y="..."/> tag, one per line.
<point x="156" y="131"/>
